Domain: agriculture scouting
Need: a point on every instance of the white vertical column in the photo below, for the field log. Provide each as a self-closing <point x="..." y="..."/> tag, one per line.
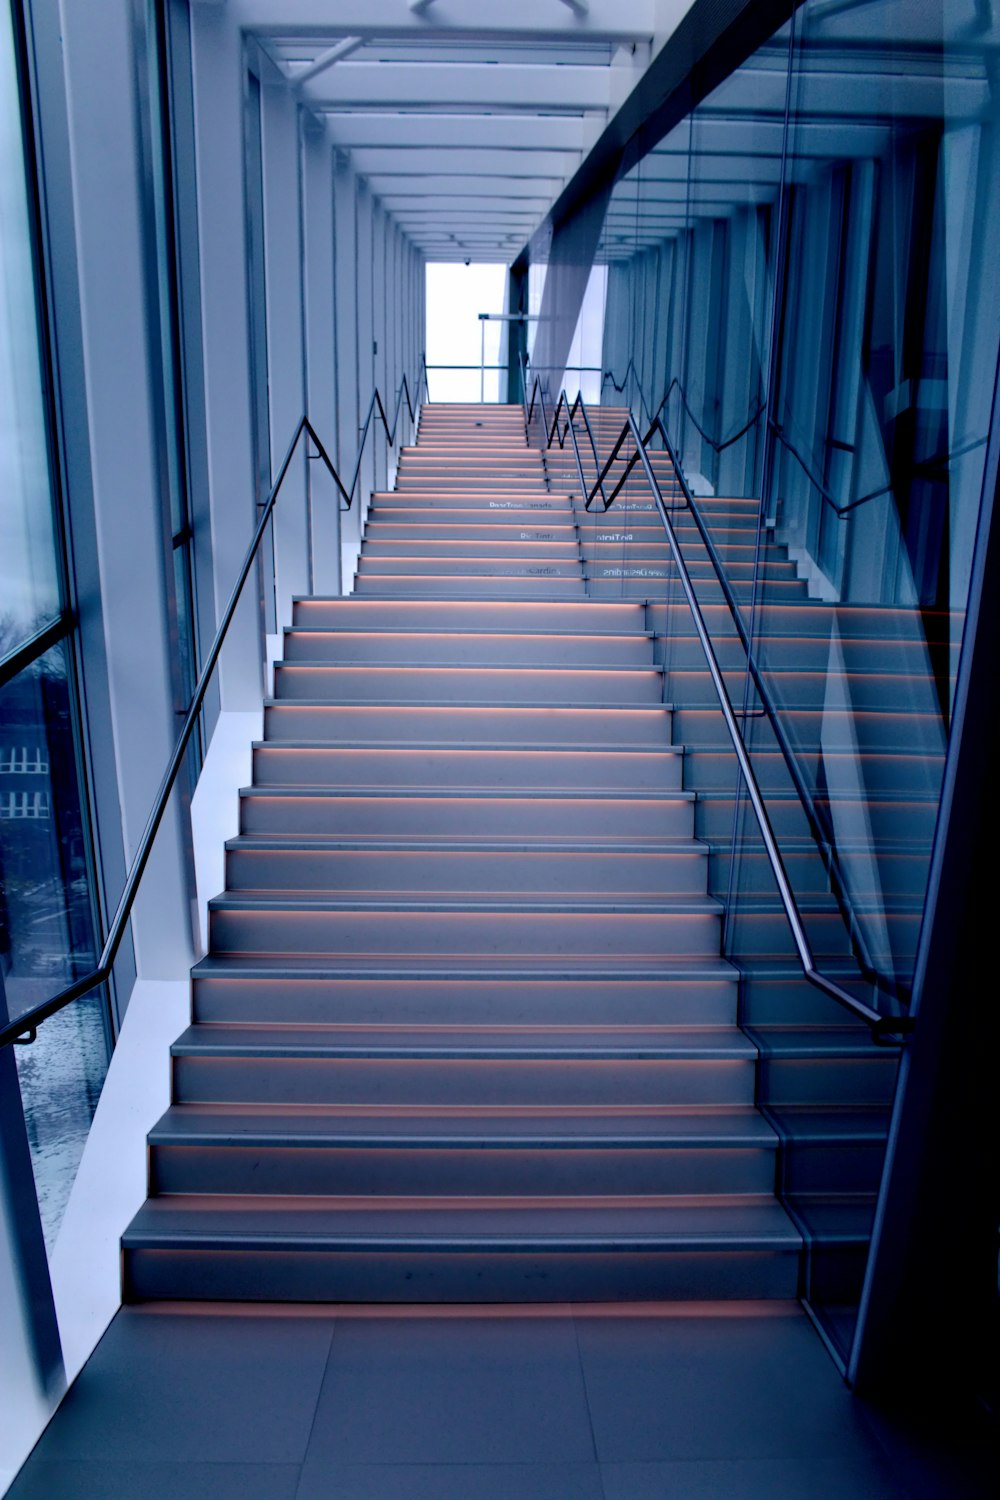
<point x="285" y="354"/>
<point x="318" y="203"/>
<point x="218" y="69"/>
<point x="365" y="284"/>
<point x="121" y="377"/>
<point x="345" y="205"/>
<point x="379" y="362"/>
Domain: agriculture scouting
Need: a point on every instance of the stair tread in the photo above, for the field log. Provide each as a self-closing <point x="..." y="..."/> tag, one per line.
<point x="660" y="845"/>
<point x="680" y="903"/>
<point x="638" y="706"/>
<point x="460" y="634"/>
<point x="549" y="794"/>
<point x="193" y="1125"/>
<point x="509" y="747"/>
<point x="320" y="966"/>
<point x="481" y="1043"/>
<point x="190" y="1221"/>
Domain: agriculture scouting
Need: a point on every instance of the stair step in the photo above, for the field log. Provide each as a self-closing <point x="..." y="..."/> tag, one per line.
<point x="461" y="586"/>
<point x="478" y="615"/>
<point x="445" y="684"/>
<point x="391" y="867"/>
<point x="240" y="923"/>
<point x="294" y="811"/>
<point x="743" y="1248"/>
<point x="414" y="647"/>
<point x="376" y="1154"/>
<point x="300" y="764"/>
<point x="313" y="992"/>
<point x="599" y="726"/>
<point x="486" y="1044"/>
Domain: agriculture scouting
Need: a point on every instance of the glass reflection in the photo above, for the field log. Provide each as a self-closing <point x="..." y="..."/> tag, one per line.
<point x="46" y="926"/>
<point x="798" y="279"/>
<point x="29" y="587"/>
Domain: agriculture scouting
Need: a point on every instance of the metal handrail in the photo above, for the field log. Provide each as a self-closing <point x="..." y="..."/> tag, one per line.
<point x="886" y="1030"/>
<point x="25" y="1026"/>
<point x="932" y="465"/>
<point x="718" y="445"/>
<point x="375" y="407"/>
<point x="572" y="432"/>
<point x="822" y="834"/>
<point x="579" y="405"/>
<point x="885" y="1025"/>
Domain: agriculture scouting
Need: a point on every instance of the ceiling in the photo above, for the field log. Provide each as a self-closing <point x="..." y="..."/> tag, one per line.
<point x="466" y="117"/>
<point x="865" y="72"/>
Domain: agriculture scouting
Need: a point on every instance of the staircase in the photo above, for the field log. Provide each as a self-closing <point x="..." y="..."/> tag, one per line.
<point x="463" y="1032"/>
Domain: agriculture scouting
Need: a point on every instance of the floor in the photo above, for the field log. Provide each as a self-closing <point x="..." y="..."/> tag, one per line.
<point x="699" y="1402"/>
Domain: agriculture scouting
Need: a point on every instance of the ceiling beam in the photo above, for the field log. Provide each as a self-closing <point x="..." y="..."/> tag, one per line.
<point x="605" y="20"/>
<point x="458" y="161"/>
<point x="472" y="85"/>
<point x="448" y="203"/>
<point x="389" y="185"/>
<point x="511" y="132"/>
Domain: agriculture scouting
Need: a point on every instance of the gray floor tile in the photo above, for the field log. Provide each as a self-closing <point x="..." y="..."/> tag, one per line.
<point x="751" y="1479"/>
<point x="450" y="1482"/>
<point x="488" y="1390"/>
<point x="689" y="1387"/>
<point x="92" y="1480"/>
<point x="190" y="1387"/>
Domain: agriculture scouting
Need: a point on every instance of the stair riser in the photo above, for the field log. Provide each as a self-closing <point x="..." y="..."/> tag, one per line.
<point x="474" y="615"/>
<point x="713" y="819"/>
<point x="803" y="653"/>
<point x="415" y="724"/>
<point x="403" y="648"/>
<point x="464" y="817"/>
<point x="485" y="770"/>
<point x="710" y="771"/>
<point x="901" y="732"/>
<point x="466" y="567"/>
<point x="903" y="823"/>
<point x="388" y="586"/>
<point x="639" y="582"/>
<point x="484" y="549"/>
<point x="754" y="875"/>
<point x="454" y="1170"/>
<point x="860" y="1081"/>
<point x="832" y="1167"/>
<point x="420" y="1275"/>
<point x="871" y="878"/>
<point x="650" y="555"/>
<point x="291" y="1081"/>
<point x="790" y="1000"/>
<point x="425" y="934"/>
<point x="423" y="872"/>
<point x="875" y="691"/>
<point x="487" y="503"/>
<point x="443" y="685"/>
<point x="415" y="528"/>
<point x="466" y="1002"/>
<point x="752" y="934"/>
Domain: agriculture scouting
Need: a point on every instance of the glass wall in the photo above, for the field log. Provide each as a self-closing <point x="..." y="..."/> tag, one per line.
<point x="799" y="283"/>
<point x="47" y="906"/>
